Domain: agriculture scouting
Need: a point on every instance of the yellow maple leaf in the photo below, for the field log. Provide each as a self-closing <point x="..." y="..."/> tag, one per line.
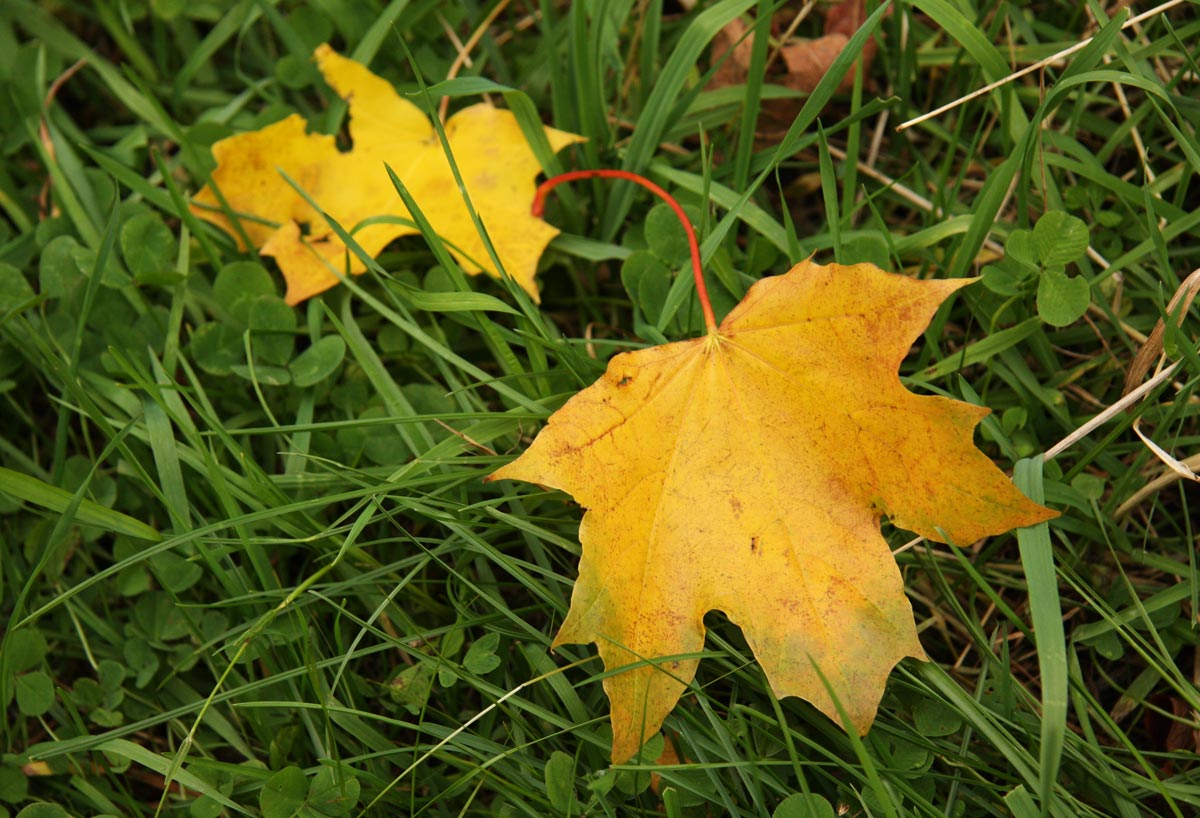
<point x="495" y="161"/>
<point x="747" y="471"/>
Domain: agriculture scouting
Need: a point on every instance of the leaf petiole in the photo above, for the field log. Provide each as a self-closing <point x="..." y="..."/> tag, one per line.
<point x="539" y="206"/>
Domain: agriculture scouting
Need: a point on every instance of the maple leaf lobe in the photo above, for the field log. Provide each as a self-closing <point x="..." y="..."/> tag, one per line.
<point x="747" y="472"/>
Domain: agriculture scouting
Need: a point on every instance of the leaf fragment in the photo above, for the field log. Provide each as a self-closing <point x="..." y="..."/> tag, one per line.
<point x="352" y="188"/>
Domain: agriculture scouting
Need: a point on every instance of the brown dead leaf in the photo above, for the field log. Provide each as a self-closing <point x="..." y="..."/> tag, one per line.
<point x="1181" y="735"/>
<point x="669" y="757"/>
<point x="732" y="71"/>
<point x="808" y="60"/>
<point x="1154" y="344"/>
<point x="846" y="17"/>
<point x="801" y="62"/>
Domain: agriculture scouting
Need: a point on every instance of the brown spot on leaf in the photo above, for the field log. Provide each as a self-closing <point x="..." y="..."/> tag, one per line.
<point x="799" y="62"/>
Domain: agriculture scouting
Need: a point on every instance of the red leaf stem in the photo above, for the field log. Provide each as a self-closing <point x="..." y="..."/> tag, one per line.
<point x="539" y="205"/>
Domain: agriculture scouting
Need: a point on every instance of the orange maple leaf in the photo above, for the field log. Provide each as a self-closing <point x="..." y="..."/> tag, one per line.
<point x="747" y="471"/>
<point x="495" y="161"/>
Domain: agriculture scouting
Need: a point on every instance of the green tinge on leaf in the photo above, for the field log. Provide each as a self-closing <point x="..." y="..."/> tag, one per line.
<point x="1060" y="239"/>
<point x="804" y="805"/>
<point x="14" y="288"/>
<point x="265" y="375"/>
<point x="175" y="573"/>
<point x="318" y="362"/>
<point x="217" y="348"/>
<point x="481" y="657"/>
<point x="35" y="693"/>
<point x="147" y="245"/>
<point x="560" y="782"/>
<point x="24" y="649"/>
<point x="1020" y="248"/>
<point x="284" y="793"/>
<point x="43" y="809"/>
<point x="237" y="284"/>
<point x="648" y="282"/>
<point x="334" y="791"/>
<point x="934" y="718"/>
<point x="14" y="785"/>
<point x="58" y="272"/>
<point x="1001" y="280"/>
<point x="665" y="236"/>
<point x="272" y="327"/>
<point x="1062" y="300"/>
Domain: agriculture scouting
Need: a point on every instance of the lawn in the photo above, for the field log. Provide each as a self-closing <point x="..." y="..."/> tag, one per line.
<point x="249" y="563"/>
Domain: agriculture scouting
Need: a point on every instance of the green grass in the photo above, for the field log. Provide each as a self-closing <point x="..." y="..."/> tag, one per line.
<point x="222" y="594"/>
